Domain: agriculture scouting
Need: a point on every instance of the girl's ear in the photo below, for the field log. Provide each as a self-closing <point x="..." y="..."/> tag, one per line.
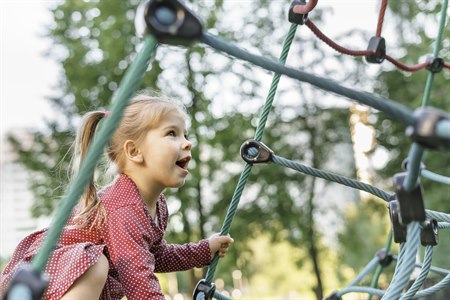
<point x="132" y="152"/>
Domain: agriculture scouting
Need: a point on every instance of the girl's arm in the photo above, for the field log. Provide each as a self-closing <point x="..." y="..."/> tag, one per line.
<point x="173" y="257"/>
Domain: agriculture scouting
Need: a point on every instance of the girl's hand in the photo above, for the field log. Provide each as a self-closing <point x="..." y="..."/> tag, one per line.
<point x="219" y="244"/>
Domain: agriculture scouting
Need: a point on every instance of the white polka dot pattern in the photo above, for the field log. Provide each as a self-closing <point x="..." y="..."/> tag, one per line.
<point x="132" y="242"/>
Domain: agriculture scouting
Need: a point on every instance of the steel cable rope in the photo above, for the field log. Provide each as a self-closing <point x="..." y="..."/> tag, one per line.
<point x="404" y="270"/>
<point x="435" y="177"/>
<point x="422" y="276"/>
<point x="406" y="261"/>
<point x="258" y="135"/>
<point x="331" y="177"/>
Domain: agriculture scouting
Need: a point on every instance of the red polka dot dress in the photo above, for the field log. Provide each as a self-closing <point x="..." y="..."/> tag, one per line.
<point x="131" y="240"/>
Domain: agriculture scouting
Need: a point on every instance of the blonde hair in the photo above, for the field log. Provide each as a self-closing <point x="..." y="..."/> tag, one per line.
<point x="142" y="114"/>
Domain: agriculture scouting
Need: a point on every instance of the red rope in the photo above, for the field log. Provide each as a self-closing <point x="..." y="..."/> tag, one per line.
<point x="404" y="67"/>
<point x="304" y="9"/>
<point x="381" y="17"/>
<point x="332" y="44"/>
<point x="347" y="51"/>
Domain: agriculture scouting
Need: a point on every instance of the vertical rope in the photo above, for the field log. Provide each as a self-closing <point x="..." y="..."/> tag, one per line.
<point x="258" y="135"/>
<point x="406" y="263"/>
<point x="416" y="152"/>
<point x="129" y="85"/>
<point x="379" y="269"/>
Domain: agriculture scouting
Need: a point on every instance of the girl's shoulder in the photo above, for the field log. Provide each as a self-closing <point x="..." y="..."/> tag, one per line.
<point x="122" y="192"/>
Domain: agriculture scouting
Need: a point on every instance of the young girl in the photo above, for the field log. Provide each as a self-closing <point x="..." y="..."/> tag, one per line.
<point x="114" y="242"/>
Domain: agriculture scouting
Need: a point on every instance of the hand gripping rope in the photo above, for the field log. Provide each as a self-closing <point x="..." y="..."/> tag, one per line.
<point x="171" y="22"/>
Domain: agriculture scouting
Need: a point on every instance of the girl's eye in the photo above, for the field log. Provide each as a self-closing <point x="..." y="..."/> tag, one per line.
<point x="171" y="133"/>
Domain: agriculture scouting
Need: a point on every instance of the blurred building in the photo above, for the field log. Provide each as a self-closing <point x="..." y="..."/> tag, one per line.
<point x="15" y="201"/>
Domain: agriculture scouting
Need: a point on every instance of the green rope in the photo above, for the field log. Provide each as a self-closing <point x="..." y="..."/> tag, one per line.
<point x="416" y="152"/>
<point x="259" y="131"/>
<point x="331" y="177"/>
<point x="129" y="85"/>
<point x="379" y="269"/>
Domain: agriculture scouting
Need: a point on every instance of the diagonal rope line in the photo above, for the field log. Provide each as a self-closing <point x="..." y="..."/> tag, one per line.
<point x="331" y="177"/>
<point x="258" y="135"/>
<point x="130" y="84"/>
<point x="386" y="105"/>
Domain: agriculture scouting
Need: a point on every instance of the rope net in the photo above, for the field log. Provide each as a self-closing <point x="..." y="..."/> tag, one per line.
<point x="409" y="223"/>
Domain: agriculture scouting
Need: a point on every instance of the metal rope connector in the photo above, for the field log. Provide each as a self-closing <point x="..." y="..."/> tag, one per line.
<point x="398" y="230"/>
<point x="27" y="284"/>
<point x="204" y="290"/>
<point x="429" y="234"/>
<point x="429" y="129"/>
<point x="410" y="201"/>
<point x="254" y="152"/>
<point x="171" y="22"/>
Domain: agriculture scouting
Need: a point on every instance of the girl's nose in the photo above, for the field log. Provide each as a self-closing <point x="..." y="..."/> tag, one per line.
<point x="187" y="145"/>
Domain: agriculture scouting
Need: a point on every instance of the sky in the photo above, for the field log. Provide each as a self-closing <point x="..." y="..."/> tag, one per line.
<point x="27" y="77"/>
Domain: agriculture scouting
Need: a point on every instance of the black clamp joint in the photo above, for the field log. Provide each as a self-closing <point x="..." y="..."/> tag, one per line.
<point x="253" y="152"/>
<point x="298" y="19"/>
<point x="333" y="296"/>
<point x="405" y="165"/>
<point x="206" y="288"/>
<point x="33" y="281"/>
<point x="435" y="64"/>
<point x="429" y="233"/>
<point x="385" y="258"/>
<point x="377" y="46"/>
<point x="425" y="129"/>
<point x="398" y="230"/>
<point x="172" y="22"/>
<point x="411" y="202"/>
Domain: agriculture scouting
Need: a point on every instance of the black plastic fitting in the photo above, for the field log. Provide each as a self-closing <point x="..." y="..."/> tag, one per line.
<point x="411" y="202"/>
<point x="206" y="288"/>
<point x="172" y="22"/>
<point x="398" y="230"/>
<point x="385" y="258"/>
<point x="35" y="281"/>
<point x="298" y="19"/>
<point x="424" y="130"/>
<point x="377" y="45"/>
<point x="429" y="233"/>
<point x="405" y="165"/>
<point x="435" y="64"/>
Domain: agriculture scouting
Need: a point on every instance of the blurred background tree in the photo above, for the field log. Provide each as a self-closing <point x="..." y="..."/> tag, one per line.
<point x="281" y="211"/>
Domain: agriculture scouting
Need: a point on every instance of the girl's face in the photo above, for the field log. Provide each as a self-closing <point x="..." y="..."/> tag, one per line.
<point x="167" y="152"/>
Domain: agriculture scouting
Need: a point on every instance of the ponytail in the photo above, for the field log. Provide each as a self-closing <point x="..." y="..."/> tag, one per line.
<point x="89" y="210"/>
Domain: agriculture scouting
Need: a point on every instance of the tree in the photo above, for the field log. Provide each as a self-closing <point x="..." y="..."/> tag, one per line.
<point x="95" y="42"/>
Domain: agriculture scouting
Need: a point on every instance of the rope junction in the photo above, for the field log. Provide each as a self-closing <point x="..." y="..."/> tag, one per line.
<point x="169" y="21"/>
